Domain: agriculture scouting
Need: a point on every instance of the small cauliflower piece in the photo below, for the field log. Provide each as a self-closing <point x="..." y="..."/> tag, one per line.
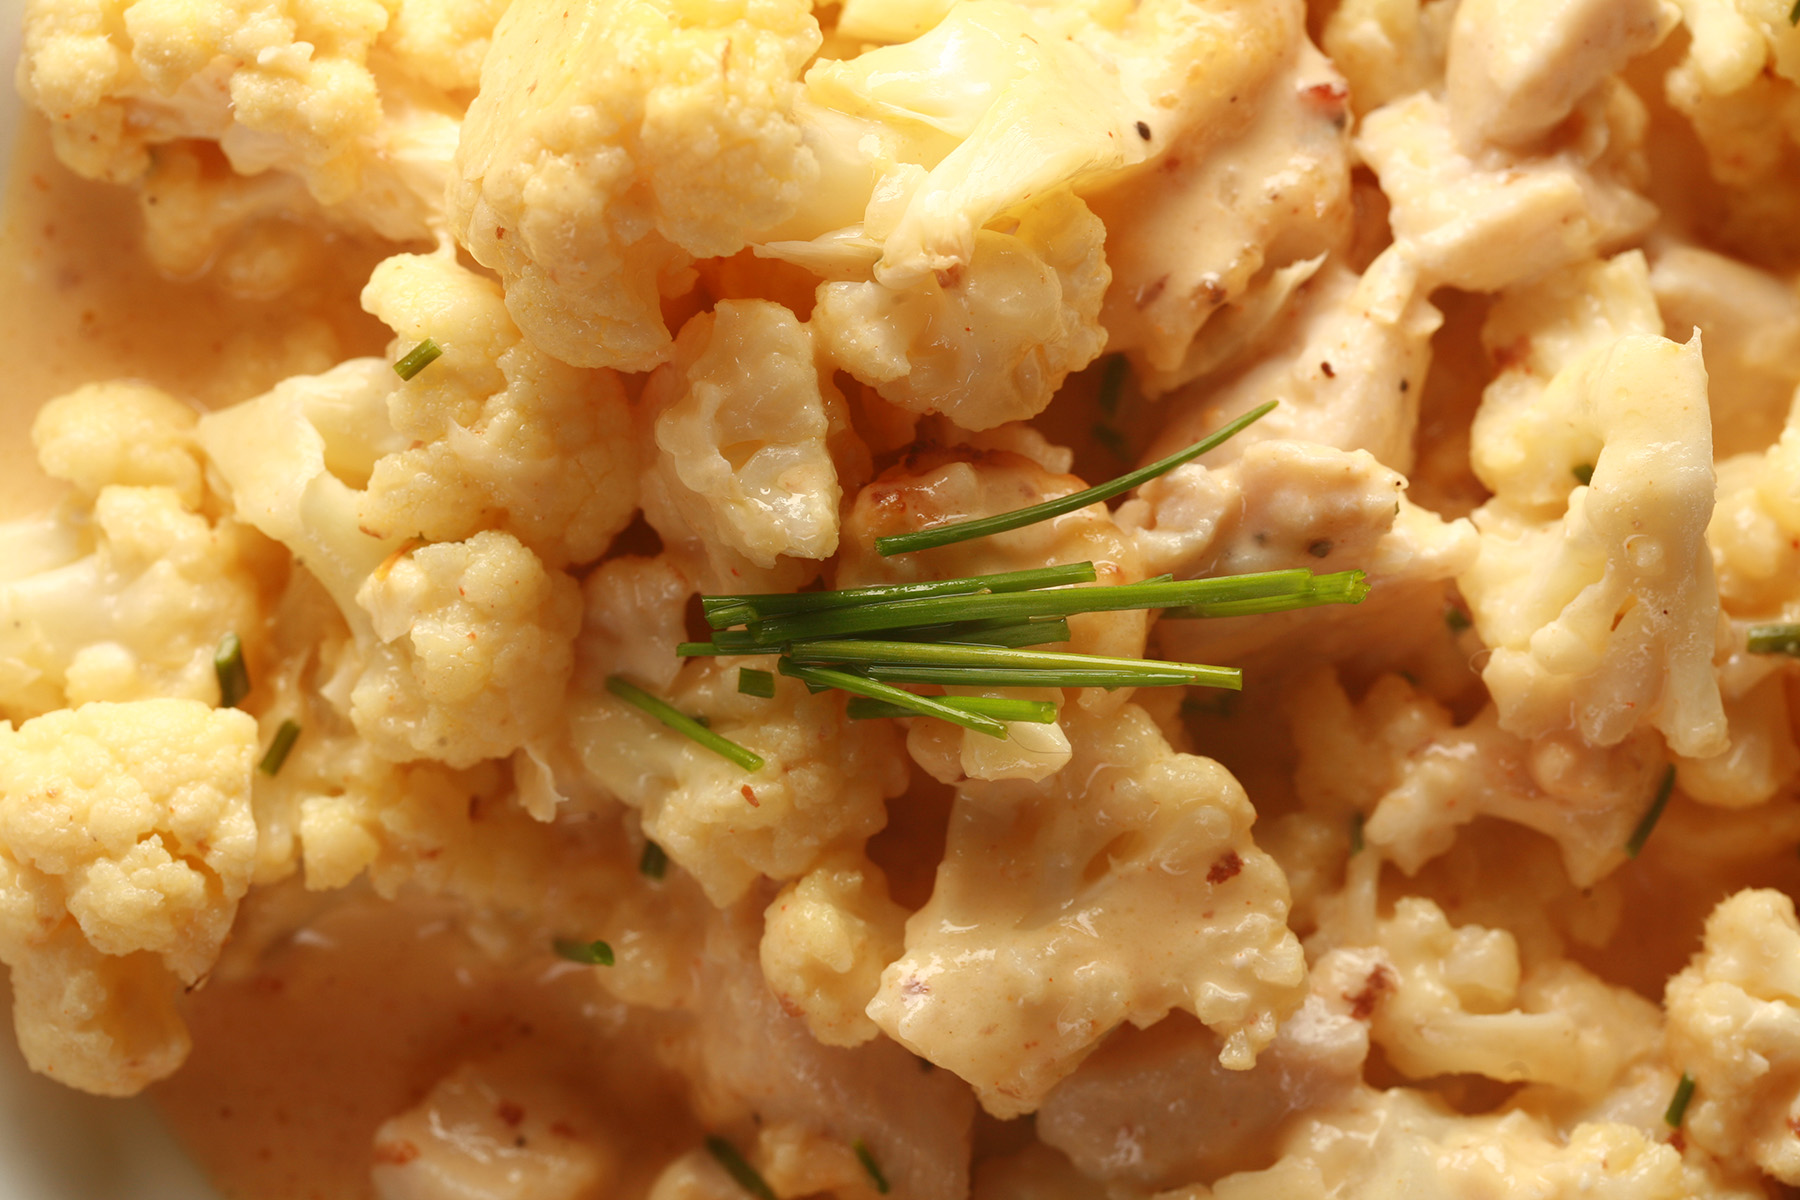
<point x="1484" y="219"/>
<point x="1388" y="48"/>
<point x="988" y="339"/>
<point x="826" y="938"/>
<point x="119" y="433"/>
<point x="633" y="617"/>
<point x="1397" y="757"/>
<point x="281" y="86"/>
<point x="1381" y="1144"/>
<point x="1514" y="71"/>
<point x="492" y="1131"/>
<point x="126" y="841"/>
<point x="1445" y="1000"/>
<point x="823" y="783"/>
<point x="741" y="420"/>
<point x="1123" y="887"/>
<point x="1596" y="597"/>
<point x="475" y="645"/>
<point x="502" y="436"/>
<point x="610" y="142"/>
<point x="1734" y="1025"/>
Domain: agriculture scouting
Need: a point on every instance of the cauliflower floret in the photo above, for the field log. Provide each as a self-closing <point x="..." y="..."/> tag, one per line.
<point x="1397" y="758"/>
<point x="740" y="422"/>
<point x="1480" y="220"/>
<point x="1189" y="244"/>
<point x="822" y="784"/>
<point x="988" y="339"/>
<point x="1347" y="360"/>
<point x="1123" y="887"/>
<point x="1596" y="594"/>
<point x="1445" y="1000"/>
<point x="119" y="433"/>
<point x="1750" y="321"/>
<point x="279" y="85"/>
<point x="936" y="486"/>
<point x="1734" y="1024"/>
<point x="826" y="938"/>
<point x="1514" y="71"/>
<point x="610" y="141"/>
<point x="475" y="645"/>
<point x="634" y="616"/>
<point x="1380" y="1144"/>
<point x="126" y="841"/>
<point x="502" y="436"/>
<point x="1388" y="48"/>
<point x="1281" y="505"/>
<point x="493" y="1130"/>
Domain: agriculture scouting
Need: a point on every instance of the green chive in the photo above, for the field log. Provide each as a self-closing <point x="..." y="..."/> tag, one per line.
<point x="1781" y="638"/>
<point x="1794" y="14"/>
<point x="1113" y="440"/>
<point x="592" y="954"/>
<point x="933" y="654"/>
<point x="915" y="704"/>
<point x="962" y="531"/>
<point x="752" y="682"/>
<point x="1641" y="834"/>
<point x="654" y="862"/>
<point x="1059" y="677"/>
<point x="279" y="748"/>
<point x="1357" y="821"/>
<point x="1456" y="619"/>
<point x="1297" y="587"/>
<point x="1340" y="587"/>
<point x="1001" y="708"/>
<point x="1112" y="383"/>
<point x="679" y="721"/>
<point x="234" y="676"/>
<point x="868" y="1164"/>
<point x="722" y="612"/>
<point x="418" y="358"/>
<point x="1583" y="472"/>
<point x="1678" y="1103"/>
<point x="728" y="1157"/>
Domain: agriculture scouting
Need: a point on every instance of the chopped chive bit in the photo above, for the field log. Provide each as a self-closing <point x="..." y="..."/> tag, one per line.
<point x="234" y="676"/>
<point x="727" y="1156"/>
<point x="870" y="1165"/>
<point x="1357" y="821"/>
<point x="1050" y="664"/>
<point x="1001" y="708"/>
<point x="962" y="531"/>
<point x="1678" y="1103"/>
<point x="654" y="862"/>
<point x="680" y="722"/>
<point x="1794" y="14"/>
<point x="285" y="737"/>
<point x="591" y="954"/>
<point x="1653" y="814"/>
<point x="1112" y="440"/>
<point x="418" y="358"/>
<point x="1112" y="383"/>
<point x="752" y="682"/>
<point x="1455" y="619"/>
<point x="1780" y="638"/>
<point x="1583" y="472"/>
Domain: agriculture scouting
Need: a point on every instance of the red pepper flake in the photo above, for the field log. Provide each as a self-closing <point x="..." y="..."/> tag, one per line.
<point x="751" y="796"/>
<point x="396" y="1153"/>
<point x="1229" y="864"/>
<point x="1380" y="982"/>
<point x="509" y="1112"/>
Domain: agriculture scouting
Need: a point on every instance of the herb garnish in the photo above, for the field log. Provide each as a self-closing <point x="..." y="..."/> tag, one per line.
<point x="679" y="721"/>
<point x="1780" y="638"/>
<point x="1001" y="708"/>
<point x="234" y="676"/>
<point x="285" y="737"/>
<point x="1641" y="834"/>
<point x="869" y="1164"/>
<point x="654" y="862"/>
<point x="962" y="531"/>
<point x="418" y="358"/>
<point x="591" y="954"/>
<point x="1678" y="1104"/>
<point x="752" y="682"/>
<point x="746" y="1175"/>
